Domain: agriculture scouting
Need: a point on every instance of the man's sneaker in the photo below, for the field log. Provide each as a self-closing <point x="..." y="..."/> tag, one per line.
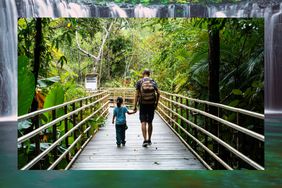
<point x="149" y="142"/>
<point x="118" y="145"/>
<point x="145" y="143"/>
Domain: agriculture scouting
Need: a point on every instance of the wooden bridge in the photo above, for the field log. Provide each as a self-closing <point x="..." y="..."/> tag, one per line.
<point x="78" y="135"/>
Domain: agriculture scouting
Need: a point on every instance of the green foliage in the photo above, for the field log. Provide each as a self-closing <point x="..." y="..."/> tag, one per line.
<point x="237" y="92"/>
<point x="23" y="126"/>
<point x="26" y="86"/>
<point x="63" y="60"/>
<point x="54" y="97"/>
<point x="74" y="91"/>
<point x="175" y="50"/>
<point x="46" y="82"/>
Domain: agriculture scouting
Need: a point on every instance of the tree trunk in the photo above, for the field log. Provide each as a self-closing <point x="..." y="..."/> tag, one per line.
<point x="36" y="67"/>
<point x="213" y="84"/>
<point x="37" y="54"/>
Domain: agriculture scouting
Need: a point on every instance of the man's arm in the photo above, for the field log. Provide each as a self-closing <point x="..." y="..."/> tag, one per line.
<point x="137" y="94"/>
<point x="157" y="98"/>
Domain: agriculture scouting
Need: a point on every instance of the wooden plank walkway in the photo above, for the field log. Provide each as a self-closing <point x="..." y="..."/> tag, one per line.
<point x="167" y="152"/>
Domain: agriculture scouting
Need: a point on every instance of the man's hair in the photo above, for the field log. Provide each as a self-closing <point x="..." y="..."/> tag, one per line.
<point x="146" y="72"/>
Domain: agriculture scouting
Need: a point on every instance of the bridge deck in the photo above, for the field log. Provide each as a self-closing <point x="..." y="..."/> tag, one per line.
<point x="167" y="152"/>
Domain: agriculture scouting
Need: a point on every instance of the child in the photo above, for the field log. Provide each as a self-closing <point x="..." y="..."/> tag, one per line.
<point x="119" y="114"/>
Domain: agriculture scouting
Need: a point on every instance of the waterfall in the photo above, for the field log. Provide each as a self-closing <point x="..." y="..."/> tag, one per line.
<point x="116" y="11"/>
<point x="8" y="60"/>
<point x="273" y="62"/>
<point x="171" y="11"/>
<point x="51" y="8"/>
<point x="230" y="10"/>
<point x="145" y="12"/>
<point x="63" y="8"/>
<point x="186" y="11"/>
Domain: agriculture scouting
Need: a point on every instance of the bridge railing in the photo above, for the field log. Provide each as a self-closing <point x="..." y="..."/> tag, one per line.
<point x="231" y="138"/>
<point x="128" y="95"/>
<point x="71" y="125"/>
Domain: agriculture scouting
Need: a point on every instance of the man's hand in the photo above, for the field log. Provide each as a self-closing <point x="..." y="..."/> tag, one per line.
<point x="135" y="109"/>
<point x="113" y="122"/>
<point x="156" y="105"/>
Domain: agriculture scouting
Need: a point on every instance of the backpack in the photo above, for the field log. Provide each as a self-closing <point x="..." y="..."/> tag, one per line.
<point x="147" y="90"/>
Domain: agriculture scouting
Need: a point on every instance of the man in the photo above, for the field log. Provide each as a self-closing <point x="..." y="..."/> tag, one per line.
<point x="147" y="96"/>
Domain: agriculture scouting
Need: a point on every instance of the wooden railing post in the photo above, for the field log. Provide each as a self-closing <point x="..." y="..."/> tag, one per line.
<point x="182" y="113"/>
<point x="37" y="138"/>
<point x="187" y="124"/>
<point x="74" y="121"/>
<point x="66" y="130"/>
<point x="166" y="103"/>
<point x="207" y="129"/>
<point x="89" y="110"/>
<point x="236" y="135"/>
<point x="54" y="134"/>
<point x="195" y="131"/>
<point x="170" y="113"/>
<point x="176" y="117"/>
<point x="81" y="128"/>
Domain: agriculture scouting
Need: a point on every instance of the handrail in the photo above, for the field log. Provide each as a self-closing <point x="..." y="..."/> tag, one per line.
<point x="176" y="109"/>
<point x="119" y="88"/>
<point x="204" y="147"/>
<point x="45" y="152"/>
<point x="32" y="114"/>
<point x="36" y="131"/>
<point x="227" y="146"/>
<point x="184" y="142"/>
<point x="102" y="98"/>
<point x="232" y="125"/>
<point x="76" y="141"/>
<point x="240" y="110"/>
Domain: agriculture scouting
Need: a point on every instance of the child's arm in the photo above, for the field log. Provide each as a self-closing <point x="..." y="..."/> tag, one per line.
<point x="133" y="112"/>
<point x="114" y="116"/>
<point x="113" y="121"/>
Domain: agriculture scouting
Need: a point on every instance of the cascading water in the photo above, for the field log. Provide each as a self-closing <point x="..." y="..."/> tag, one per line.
<point x="61" y="8"/>
<point x="51" y="8"/>
<point x="8" y="60"/>
<point x="64" y="8"/>
<point x="171" y="11"/>
<point x="144" y="12"/>
<point x="186" y="11"/>
<point x="116" y="11"/>
<point x="273" y="63"/>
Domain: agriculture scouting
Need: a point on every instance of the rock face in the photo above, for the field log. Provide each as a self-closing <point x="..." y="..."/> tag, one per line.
<point x="265" y="3"/>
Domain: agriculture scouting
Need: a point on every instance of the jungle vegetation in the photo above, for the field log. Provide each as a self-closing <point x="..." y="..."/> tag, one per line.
<point x="219" y="60"/>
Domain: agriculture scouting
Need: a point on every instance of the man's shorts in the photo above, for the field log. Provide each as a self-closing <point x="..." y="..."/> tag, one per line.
<point x="147" y="112"/>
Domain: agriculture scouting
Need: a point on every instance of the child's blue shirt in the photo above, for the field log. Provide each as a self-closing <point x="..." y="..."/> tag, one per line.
<point x="120" y="112"/>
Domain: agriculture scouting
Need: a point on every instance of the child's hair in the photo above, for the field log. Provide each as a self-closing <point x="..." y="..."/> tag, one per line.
<point x="119" y="101"/>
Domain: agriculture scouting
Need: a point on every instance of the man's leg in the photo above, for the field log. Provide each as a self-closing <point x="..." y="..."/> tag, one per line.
<point x="151" y="112"/>
<point x="150" y="130"/>
<point x="144" y="131"/>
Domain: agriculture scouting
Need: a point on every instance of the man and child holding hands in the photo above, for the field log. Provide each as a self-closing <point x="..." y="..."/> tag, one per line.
<point x="147" y="96"/>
